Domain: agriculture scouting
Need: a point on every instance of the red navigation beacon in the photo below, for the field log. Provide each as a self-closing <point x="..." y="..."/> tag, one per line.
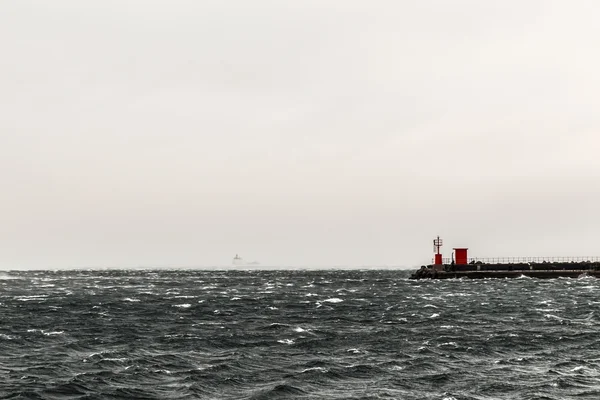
<point x="437" y="243"/>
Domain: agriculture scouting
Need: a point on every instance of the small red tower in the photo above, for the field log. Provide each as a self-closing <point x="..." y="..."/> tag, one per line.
<point x="437" y="243"/>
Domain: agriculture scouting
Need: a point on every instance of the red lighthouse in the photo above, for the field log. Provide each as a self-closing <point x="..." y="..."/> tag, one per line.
<point x="437" y="243"/>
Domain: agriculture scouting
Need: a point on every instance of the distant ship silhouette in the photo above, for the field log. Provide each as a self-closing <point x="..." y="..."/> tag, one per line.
<point x="237" y="260"/>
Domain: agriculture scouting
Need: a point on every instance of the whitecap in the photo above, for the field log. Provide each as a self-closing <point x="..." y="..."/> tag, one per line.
<point x="320" y="369"/>
<point x="458" y="294"/>
<point x="298" y="329"/>
<point x="32" y="297"/>
<point x="183" y="305"/>
<point x="43" y="331"/>
<point x="434" y="315"/>
<point x="550" y="316"/>
<point x="54" y="333"/>
<point x="7" y="337"/>
<point x="451" y="344"/>
<point x="133" y="300"/>
<point x="286" y="341"/>
<point x="334" y="300"/>
<point x="162" y="371"/>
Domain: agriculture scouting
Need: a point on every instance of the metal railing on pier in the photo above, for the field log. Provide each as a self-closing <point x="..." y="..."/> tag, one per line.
<point x="525" y="260"/>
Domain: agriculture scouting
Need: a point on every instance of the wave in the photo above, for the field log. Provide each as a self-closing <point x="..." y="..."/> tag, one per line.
<point x="375" y="334"/>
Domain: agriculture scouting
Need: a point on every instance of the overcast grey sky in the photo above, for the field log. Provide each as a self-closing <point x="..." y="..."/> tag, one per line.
<point x="310" y="132"/>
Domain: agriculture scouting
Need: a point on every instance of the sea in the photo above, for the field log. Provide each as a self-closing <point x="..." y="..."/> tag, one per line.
<point x="295" y="334"/>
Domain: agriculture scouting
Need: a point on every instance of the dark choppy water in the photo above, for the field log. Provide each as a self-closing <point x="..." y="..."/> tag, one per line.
<point x="295" y="334"/>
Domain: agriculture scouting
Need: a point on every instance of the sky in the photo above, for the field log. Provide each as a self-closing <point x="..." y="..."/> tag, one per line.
<point x="296" y="133"/>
